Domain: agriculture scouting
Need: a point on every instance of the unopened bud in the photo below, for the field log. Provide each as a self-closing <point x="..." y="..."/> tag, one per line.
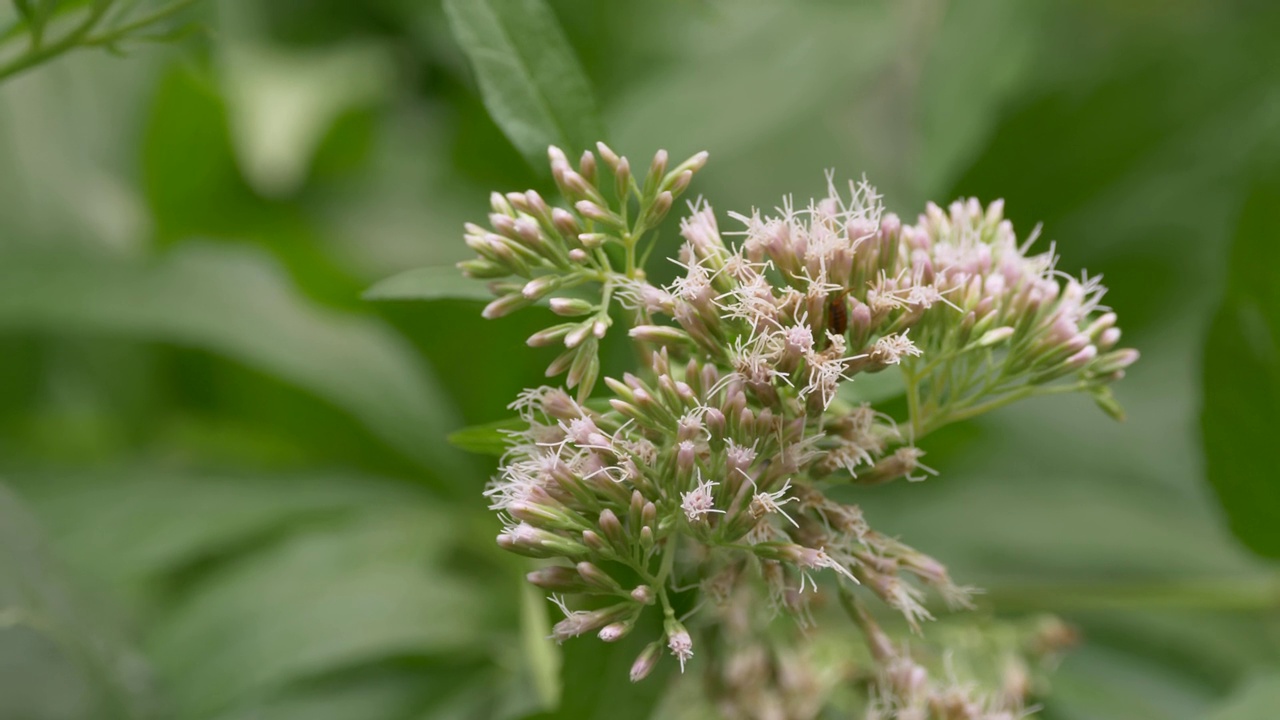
<point x="714" y="420"/>
<point x="608" y="155"/>
<point x="582" y="621"/>
<point x="686" y="455"/>
<point x="1117" y="360"/>
<point x="584" y="370"/>
<point x="643" y="594"/>
<point x="592" y="241"/>
<point x="1108" y="338"/>
<point x="500" y="204"/>
<point x="550" y="336"/>
<point x="592" y="211"/>
<point x="658" y="210"/>
<point x="681" y="183"/>
<point x="646" y="661"/>
<point x="693" y="164"/>
<point x="995" y="336"/>
<point x="593" y="540"/>
<point x="662" y="334"/>
<point x="575" y="337"/>
<point x="615" y="631"/>
<point x="557" y="578"/>
<point x="577" y="187"/>
<point x="598" y="578"/>
<point x="539" y="287"/>
<point x="571" y="307"/>
<point x="612" y="527"/>
<point x="622" y="178"/>
<point x="504" y="306"/>
<point x="565" y="222"/>
<point x="657" y="169"/>
<point x="482" y="269"/>
<point x="587" y="166"/>
<point x="1082" y="358"/>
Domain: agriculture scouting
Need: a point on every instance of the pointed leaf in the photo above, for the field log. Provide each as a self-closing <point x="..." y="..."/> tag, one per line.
<point x="488" y="439"/>
<point x="429" y="283"/>
<point x="528" y="74"/>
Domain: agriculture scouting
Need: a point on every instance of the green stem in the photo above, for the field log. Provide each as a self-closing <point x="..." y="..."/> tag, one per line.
<point x="80" y="36"/>
<point x="964" y="413"/>
<point x="37" y="55"/>
<point x="913" y="403"/>
<point x="123" y="31"/>
<point x="664" y="572"/>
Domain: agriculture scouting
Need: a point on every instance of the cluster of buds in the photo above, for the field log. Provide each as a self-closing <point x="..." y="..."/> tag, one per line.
<point x="578" y="258"/>
<point x="707" y="468"/>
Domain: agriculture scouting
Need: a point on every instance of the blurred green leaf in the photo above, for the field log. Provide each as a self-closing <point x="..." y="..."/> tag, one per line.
<point x="280" y="104"/>
<point x="131" y="526"/>
<point x="1242" y="377"/>
<point x="319" y="601"/>
<point x="1258" y="699"/>
<point x="963" y="85"/>
<point x="489" y="438"/>
<point x="233" y="302"/>
<point x="528" y="74"/>
<point x="429" y="283"/>
<point x="378" y="692"/>
<point x="58" y="656"/>
<point x="541" y="655"/>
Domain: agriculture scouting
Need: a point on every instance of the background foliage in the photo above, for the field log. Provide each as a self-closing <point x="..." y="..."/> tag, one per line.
<point x="226" y="492"/>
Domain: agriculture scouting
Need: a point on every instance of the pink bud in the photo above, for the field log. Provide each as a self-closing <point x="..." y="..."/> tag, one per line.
<point x="1082" y="358"/>
<point x="646" y="661"/>
<point x="504" y="306"/>
<point x="643" y="594"/>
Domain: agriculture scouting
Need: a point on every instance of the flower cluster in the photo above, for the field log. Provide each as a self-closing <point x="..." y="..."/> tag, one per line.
<point x="536" y="252"/>
<point x="707" y="467"/>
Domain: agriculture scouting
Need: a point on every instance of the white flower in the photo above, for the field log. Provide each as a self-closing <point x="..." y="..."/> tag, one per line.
<point x="700" y="500"/>
<point x="764" y="503"/>
<point x="681" y="646"/>
<point x="890" y="349"/>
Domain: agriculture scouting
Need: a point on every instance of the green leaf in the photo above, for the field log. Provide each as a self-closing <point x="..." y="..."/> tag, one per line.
<point x="541" y="655"/>
<point x="133" y="526"/>
<point x="235" y="303"/>
<point x="281" y="103"/>
<point x="59" y="658"/>
<point x="487" y="439"/>
<point x="1257" y="699"/>
<point x="383" y="691"/>
<point x="529" y="78"/>
<point x="1242" y="378"/>
<point x="429" y="283"/>
<point x="339" y="596"/>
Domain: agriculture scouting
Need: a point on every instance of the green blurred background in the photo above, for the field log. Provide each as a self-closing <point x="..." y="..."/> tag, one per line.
<point x="226" y="490"/>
